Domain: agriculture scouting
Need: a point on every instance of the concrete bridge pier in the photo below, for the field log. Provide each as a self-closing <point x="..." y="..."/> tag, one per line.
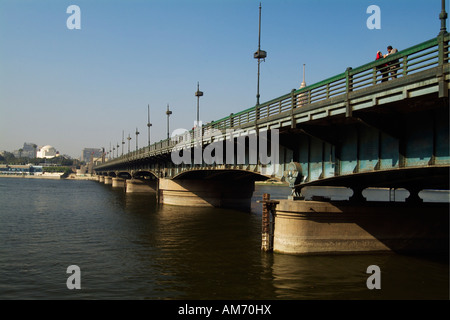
<point x="414" y="195"/>
<point x="206" y="193"/>
<point x="101" y="179"/>
<point x="118" y="182"/>
<point x="140" y="186"/>
<point x="108" y="180"/>
<point x="319" y="227"/>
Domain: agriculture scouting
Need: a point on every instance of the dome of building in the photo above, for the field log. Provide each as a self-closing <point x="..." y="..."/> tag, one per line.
<point x="46" y="152"/>
<point x="48" y="148"/>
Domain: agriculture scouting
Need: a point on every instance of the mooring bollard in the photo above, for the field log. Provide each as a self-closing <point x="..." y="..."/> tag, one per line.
<point x="267" y="222"/>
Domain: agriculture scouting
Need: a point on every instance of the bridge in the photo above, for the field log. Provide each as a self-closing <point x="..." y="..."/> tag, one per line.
<point x="370" y="126"/>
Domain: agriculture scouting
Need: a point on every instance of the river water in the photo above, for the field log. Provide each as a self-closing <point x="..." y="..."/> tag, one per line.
<point x="129" y="247"/>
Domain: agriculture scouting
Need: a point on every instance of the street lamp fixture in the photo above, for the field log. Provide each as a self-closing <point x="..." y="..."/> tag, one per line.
<point x="168" y="112"/>
<point x="259" y="54"/>
<point x="148" y="124"/>
<point x="443" y="17"/>
<point x="137" y="133"/>
<point x="123" y="142"/>
<point x="198" y="94"/>
<point x="129" y="138"/>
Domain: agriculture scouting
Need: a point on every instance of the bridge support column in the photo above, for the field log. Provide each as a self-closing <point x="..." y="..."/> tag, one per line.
<point x="315" y="227"/>
<point x="414" y="195"/>
<point x="206" y="193"/>
<point x="118" y="182"/>
<point x="108" y="180"/>
<point x="357" y="194"/>
<point x="101" y="179"/>
<point x="140" y="186"/>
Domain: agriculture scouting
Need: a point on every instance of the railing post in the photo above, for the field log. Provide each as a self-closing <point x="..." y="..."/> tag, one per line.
<point x="405" y="66"/>
<point x="348" y="89"/>
<point x="293" y="106"/>
<point x="374" y="75"/>
<point x="442" y="57"/>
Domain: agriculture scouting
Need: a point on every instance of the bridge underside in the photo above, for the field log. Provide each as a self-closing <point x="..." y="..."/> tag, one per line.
<point x="221" y="175"/>
<point x="401" y="144"/>
<point x="408" y="178"/>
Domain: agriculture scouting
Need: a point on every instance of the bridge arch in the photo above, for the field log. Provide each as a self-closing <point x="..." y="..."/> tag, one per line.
<point x="124" y="175"/>
<point x="220" y="175"/>
<point x="144" y="174"/>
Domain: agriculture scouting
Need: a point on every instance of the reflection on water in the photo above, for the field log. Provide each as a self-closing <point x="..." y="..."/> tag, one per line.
<point x="344" y="277"/>
<point x="129" y="247"/>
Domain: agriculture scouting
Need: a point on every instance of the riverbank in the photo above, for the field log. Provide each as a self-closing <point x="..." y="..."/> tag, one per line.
<point x="27" y="176"/>
<point x="271" y="182"/>
<point x="50" y="176"/>
<point x="73" y="176"/>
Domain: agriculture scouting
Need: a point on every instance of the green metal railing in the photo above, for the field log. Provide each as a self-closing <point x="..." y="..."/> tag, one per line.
<point x="426" y="55"/>
<point x="406" y="62"/>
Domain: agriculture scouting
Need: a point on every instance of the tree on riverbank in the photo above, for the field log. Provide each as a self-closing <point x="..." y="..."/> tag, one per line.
<point x="9" y="158"/>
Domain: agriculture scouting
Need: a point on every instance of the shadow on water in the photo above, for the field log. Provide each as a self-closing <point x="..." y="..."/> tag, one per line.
<point x="344" y="277"/>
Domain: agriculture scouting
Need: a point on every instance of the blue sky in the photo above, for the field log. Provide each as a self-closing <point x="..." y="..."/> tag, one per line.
<point x="81" y="88"/>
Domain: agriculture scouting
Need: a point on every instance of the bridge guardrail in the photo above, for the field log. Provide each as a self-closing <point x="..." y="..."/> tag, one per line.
<point x="423" y="56"/>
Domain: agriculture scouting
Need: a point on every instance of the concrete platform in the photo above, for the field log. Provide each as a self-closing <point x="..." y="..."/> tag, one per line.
<point x="206" y="193"/>
<point x="316" y="227"/>
<point x="118" y="182"/>
<point x="108" y="180"/>
<point x="140" y="186"/>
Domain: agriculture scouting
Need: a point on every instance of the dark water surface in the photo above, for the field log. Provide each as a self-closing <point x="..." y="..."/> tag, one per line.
<point x="129" y="247"/>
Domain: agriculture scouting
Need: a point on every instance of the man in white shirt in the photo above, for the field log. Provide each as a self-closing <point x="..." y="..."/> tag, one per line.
<point x="393" y="65"/>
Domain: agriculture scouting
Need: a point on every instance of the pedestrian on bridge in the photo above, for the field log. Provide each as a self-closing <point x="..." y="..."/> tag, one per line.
<point x="382" y="68"/>
<point x="393" y="65"/>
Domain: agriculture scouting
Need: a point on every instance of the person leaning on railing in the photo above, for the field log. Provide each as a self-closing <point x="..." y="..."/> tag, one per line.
<point x="393" y="65"/>
<point x="382" y="68"/>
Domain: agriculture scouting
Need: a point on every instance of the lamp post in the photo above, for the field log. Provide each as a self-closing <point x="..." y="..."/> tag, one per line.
<point x="129" y="138"/>
<point x="148" y="124"/>
<point x="443" y="17"/>
<point x="123" y="142"/>
<point x="168" y="112"/>
<point x="137" y="133"/>
<point x="117" y="149"/>
<point x="259" y="54"/>
<point x="198" y="94"/>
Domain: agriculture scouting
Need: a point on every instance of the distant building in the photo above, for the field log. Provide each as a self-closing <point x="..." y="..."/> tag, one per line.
<point x="28" y="151"/>
<point x="47" y="152"/>
<point x="87" y="152"/>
